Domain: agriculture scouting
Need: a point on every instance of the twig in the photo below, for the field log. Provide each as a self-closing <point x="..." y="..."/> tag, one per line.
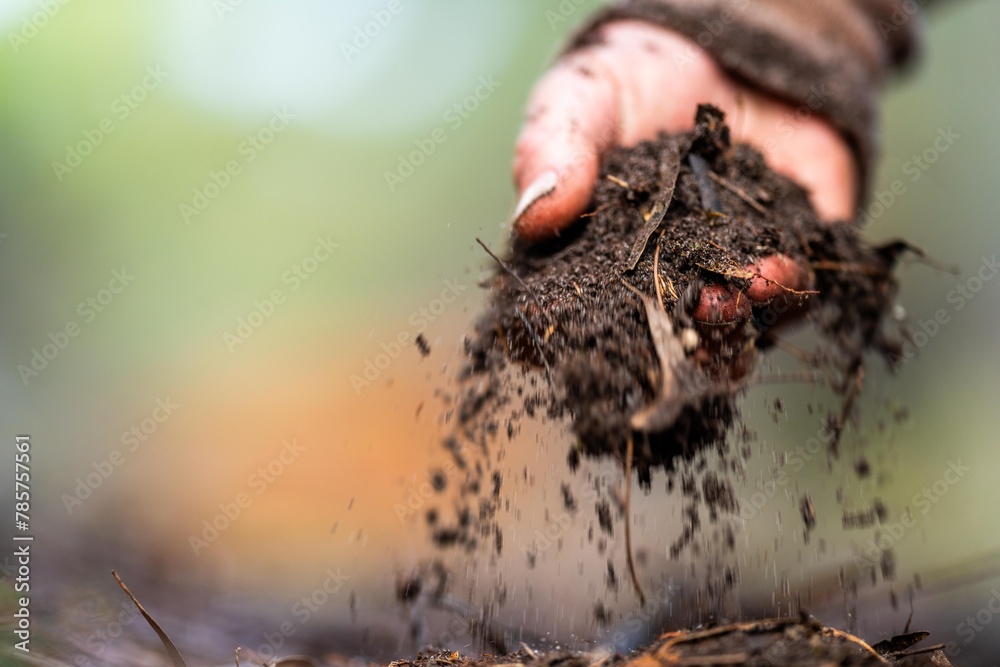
<point x="796" y="292"/>
<point x="840" y="634"/>
<point x="628" y="524"/>
<point x="506" y="267"/>
<point x="849" y="268"/>
<point x="748" y="275"/>
<point x="853" y="390"/>
<point x="658" y="279"/>
<point x="656" y="271"/>
<point x="894" y="249"/>
<point x="599" y="209"/>
<point x="663" y="411"/>
<point x="665" y="654"/>
<point x="175" y="656"/>
<point x="739" y="192"/>
<point x="669" y="173"/>
<point x="673" y="292"/>
<point x="538" y="343"/>
<point x="619" y="182"/>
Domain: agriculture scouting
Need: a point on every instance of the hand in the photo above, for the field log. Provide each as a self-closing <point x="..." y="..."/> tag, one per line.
<point x="635" y="81"/>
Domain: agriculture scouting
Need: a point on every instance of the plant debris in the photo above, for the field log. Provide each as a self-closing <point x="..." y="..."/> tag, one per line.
<point x="801" y="642"/>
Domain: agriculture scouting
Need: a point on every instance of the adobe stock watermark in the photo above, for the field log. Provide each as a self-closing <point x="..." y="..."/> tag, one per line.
<point x="796" y="459"/>
<point x="225" y="7"/>
<point x="365" y="34"/>
<point x="958" y="297"/>
<point x="418" y="494"/>
<point x="58" y="342"/>
<point x="792" y="120"/>
<point x="302" y="611"/>
<point x="890" y="533"/>
<point x="294" y="277"/>
<point x="560" y="521"/>
<point x="419" y="321"/>
<point x="902" y="13"/>
<point x="121" y="108"/>
<point x="914" y="168"/>
<point x="248" y="150"/>
<point x="132" y="440"/>
<point x="258" y="482"/>
<point x="99" y="641"/>
<point x="33" y="24"/>
<point x="454" y="117"/>
<point x="562" y="13"/>
<point x="974" y="624"/>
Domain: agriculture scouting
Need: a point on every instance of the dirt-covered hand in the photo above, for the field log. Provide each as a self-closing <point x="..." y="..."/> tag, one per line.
<point x="635" y="81"/>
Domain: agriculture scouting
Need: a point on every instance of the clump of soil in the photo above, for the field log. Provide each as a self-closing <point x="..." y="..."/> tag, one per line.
<point x="574" y="308"/>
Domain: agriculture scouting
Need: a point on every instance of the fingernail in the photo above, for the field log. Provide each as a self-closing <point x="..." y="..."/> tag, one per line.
<point x="542" y="186"/>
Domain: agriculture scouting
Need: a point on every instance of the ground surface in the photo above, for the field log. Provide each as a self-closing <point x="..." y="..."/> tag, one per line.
<point x="759" y="644"/>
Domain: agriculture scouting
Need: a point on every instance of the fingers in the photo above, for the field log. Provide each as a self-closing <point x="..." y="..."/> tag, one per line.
<point x="636" y="80"/>
<point x="802" y="145"/>
<point x="773" y="277"/>
<point x="572" y="121"/>
<point x="622" y="90"/>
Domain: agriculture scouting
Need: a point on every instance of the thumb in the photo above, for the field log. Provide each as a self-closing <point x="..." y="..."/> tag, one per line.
<point x="572" y="120"/>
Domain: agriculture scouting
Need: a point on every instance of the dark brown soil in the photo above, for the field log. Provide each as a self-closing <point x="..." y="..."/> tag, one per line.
<point x="572" y="307"/>
<point x="573" y="333"/>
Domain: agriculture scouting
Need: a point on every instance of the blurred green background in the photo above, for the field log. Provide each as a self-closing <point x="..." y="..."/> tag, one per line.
<point x="118" y="122"/>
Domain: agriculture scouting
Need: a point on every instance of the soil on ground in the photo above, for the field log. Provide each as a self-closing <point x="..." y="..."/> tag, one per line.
<point x="803" y="643"/>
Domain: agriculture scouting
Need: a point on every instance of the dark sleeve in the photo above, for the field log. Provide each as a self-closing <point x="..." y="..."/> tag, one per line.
<point x="833" y="56"/>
